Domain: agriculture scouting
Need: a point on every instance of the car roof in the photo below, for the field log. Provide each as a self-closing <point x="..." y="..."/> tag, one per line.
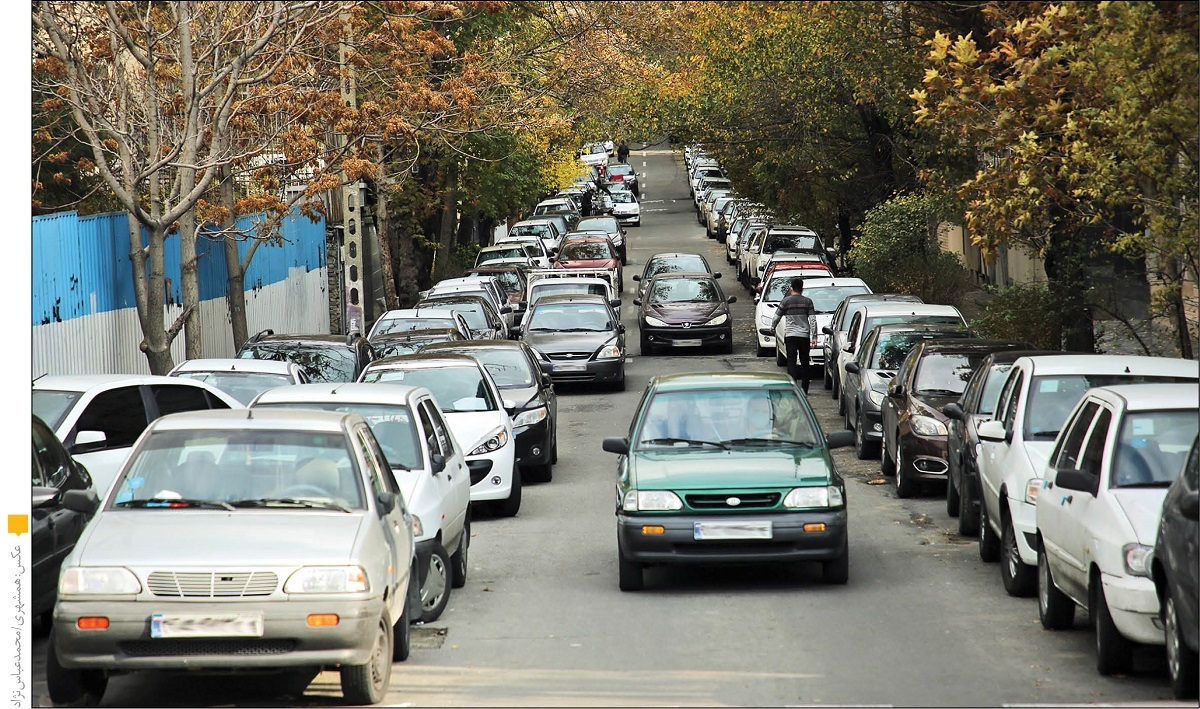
<point x="571" y="298"/>
<point x="476" y="345"/>
<point x="918" y="327"/>
<point x="322" y="340"/>
<point x="350" y="392"/>
<point x="413" y="334"/>
<point x="511" y="242"/>
<point x="1113" y="364"/>
<point x="719" y="381"/>
<point x="255" y="419"/>
<point x="1010" y="356"/>
<point x="570" y="280"/>
<point x="84" y="382"/>
<point x="667" y="255"/>
<point x="229" y="364"/>
<point x="894" y="308"/>
<point x="811" y="283"/>
<point x="417" y="313"/>
<point x="973" y="344"/>
<point x="694" y="275"/>
<point x="1149" y="397"/>
<point x="452" y="297"/>
<point x="421" y="361"/>
<point x="884" y="297"/>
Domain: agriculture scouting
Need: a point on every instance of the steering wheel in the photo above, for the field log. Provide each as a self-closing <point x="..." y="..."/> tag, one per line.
<point x="303" y="490"/>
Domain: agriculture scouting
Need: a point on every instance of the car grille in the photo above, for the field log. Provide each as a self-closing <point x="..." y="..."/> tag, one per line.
<point x="212" y="584"/>
<point x="751" y="501"/>
<point x="206" y="647"/>
<point x="569" y="356"/>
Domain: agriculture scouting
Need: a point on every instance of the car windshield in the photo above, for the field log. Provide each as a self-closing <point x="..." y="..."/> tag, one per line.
<point x="586" y="251"/>
<point x="406" y="324"/>
<point x="799" y="242"/>
<point x="683" y="290"/>
<point x="243" y="386"/>
<point x="624" y="198"/>
<point x="1152" y="448"/>
<point x="541" y="290"/>
<point x="53" y="406"/>
<point x="509" y="280"/>
<point x="992" y="388"/>
<point x="727" y="418"/>
<point x="322" y="363"/>
<point x="891" y="348"/>
<point x="620" y="169"/>
<point x="871" y="322"/>
<point x="240" y="468"/>
<point x="394" y="347"/>
<point x="392" y="425"/>
<point x="515" y="251"/>
<point x="604" y="224"/>
<point x="777" y="289"/>
<point x="508" y="366"/>
<point x="458" y="388"/>
<point x="1053" y="397"/>
<point x="471" y="312"/>
<point x="680" y="264"/>
<point x="826" y="300"/>
<point x="572" y="317"/>
<point x="945" y="374"/>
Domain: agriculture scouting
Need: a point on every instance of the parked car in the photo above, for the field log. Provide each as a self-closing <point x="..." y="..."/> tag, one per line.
<point x="466" y="393"/>
<point x="1174" y="568"/>
<point x="394" y="344"/>
<point x="788" y="238"/>
<point x="672" y="262"/>
<point x="581" y="337"/>
<point x="233" y="491"/>
<point x="839" y="327"/>
<point x="1099" y="509"/>
<point x="976" y="405"/>
<point x="591" y="253"/>
<point x="594" y="285"/>
<point x="506" y="251"/>
<point x="513" y="280"/>
<point x="727" y="468"/>
<point x="627" y="209"/>
<point x="825" y="293"/>
<point x="411" y="319"/>
<point x="685" y="310"/>
<point x="324" y="358"/>
<point x="241" y="378"/>
<point x="517" y="371"/>
<point x="609" y="225"/>
<point x="427" y="464"/>
<point x="484" y="286"/>
<point x="1034" y="403"/>
<point x="481" y="316"/>
<point x="98" y="417"/>
<point x="547" y="231"/>
<point x="54" y="529"/>
<point x="624" y="172"/>
<point x="934" y="374"/>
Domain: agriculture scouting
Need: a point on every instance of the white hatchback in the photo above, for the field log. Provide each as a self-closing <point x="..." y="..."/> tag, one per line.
<point x="1099" y="508"/>
<point x="826" y="294"/>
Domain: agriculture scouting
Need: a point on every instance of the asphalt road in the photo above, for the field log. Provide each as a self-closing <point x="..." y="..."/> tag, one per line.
<point x="541" y="622"/>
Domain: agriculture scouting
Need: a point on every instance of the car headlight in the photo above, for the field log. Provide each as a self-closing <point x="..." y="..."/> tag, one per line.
<point x="1032" y="487"/>
<point x="418" y="528"/>
<point x="530" y="416"/>
<point x="876" y="397"/>
<point x="328" y="579"/>
<point x="609" y="352"/>
<point x="719" y="320"/>
<point x="98" y="580"/>
<point x="802" y="497"/>
<point x="655" y="322"/>
<point x="1137" y="559"/>
<point x="493" y="441"/>
<point x="651" y="501"/>
<point x="926" y="426"/>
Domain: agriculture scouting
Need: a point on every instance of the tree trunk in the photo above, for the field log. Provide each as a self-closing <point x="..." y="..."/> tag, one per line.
<point x="235" y="274"/>
<point x="845" y="236"/>
<point x="446" y="232"/>
<point x="383" y="232"/>
<point x="1065" y="262"/>
<point x="1175" y="305"/>
<point x="189" y="282"/>
<point x="156" y="343"/>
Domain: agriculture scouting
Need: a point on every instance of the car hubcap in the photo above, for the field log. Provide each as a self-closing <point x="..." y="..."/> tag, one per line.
<point x="378" y="661"/>
<point x="435" y="584"/>
<point x="1043" y="582"/>
<point x="1173" y="663"/>
<point x="1013" y="554"/>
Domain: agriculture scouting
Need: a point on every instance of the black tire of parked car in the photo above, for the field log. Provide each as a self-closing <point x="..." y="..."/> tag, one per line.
<point x="647" y="349"/>
<point x="905" y="486"/>
<point x="402" y="629"/>
<point x="510" y="506"/>
<point x="989" y="543"/>
<point x="435" y="587"/>
<point x="952" y="501"/>
<point x="761" y="351"/>
<point x="968" y="513"/>
<point x="458" y="560"/>
<point x="1114" y="653"/>
<point x="367" y="684"/>
<point x="886" y="465"/>
<point x="864" y="449"/>
<point x="1182" y="661"/>
<point x="1020" y="579"/>
<point x="826" y="380"/>
<point x="1056" y="610"/>
<point x="71" y="687"/>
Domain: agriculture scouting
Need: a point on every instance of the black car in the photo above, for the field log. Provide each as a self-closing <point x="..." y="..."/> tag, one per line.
<point x="976" y="405"/>
<point x="394" y="344"/>
<point x="685" y="311"/>
<point x="325" y="358"/>
<point x="1176" y="575"/>
<point x="581" y="337"/>
<point x="517" y="370"/>
<point x="55" y="529"/>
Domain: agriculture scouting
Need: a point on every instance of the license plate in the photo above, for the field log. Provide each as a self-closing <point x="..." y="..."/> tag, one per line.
<point x="732" y="530"/>
<point x="206" y="625"/>
<point x="570" y="367"/>
<point x="687" y="343"/>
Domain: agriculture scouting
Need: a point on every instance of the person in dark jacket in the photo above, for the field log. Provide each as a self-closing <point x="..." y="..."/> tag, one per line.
<point x="795" y="310"/>
<point x="585" y="203"/>
<point x="623" y="152"/>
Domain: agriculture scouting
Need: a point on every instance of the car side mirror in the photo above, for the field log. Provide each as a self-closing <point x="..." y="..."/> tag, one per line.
<point x="437" y="463"/>
<point x="83" y="501"/>
<point x="827" y="330"/>
<point x="954" y="411"/>
<point x="621" y="328"/>
<point x="509" y="405"/>
<point x="839" y="439"/>
<point x="637" y="277"/>
<point x="992" y="431"/>
<point x="852" y="367"/>
<point x="637" y="301"/>
<point x="547" y="381"/>
<point x="717" y="275"/>
<point x="757" y="297"/>
<point x="386" y="501"/>
<point x="896" y="391"/>
<point x="731" y="299"/>
<point x="620" y="446"/>
<point x="546" y="367"/>
<point x="43" y="497"/>
<point x="615" y="303"/>
<point x="505" y="309"/>
<point x="1078" y="480"/>
<point x="88" y="441"/>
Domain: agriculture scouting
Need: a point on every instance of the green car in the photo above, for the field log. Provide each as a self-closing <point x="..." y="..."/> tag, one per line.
<point x="728" y="468"/>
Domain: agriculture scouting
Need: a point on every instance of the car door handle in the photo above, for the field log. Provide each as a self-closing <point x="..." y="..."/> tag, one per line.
<point x="1068" y="499"/>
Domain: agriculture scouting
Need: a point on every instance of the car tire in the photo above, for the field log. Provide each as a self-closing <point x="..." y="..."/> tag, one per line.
<point x="842" y="405"/>
<point x="554" y="448"/>
<point x="727" y="346"/>
<point x="989" y="543"/>
<point x="968" y="513"/>
<point x="952" y="501"/>
<point x="630" y="575"/>
<point x="905" y="486"/>
<point x="761" y="351"/>
<point x="646" y="348"/>
<point x="1056" y="610"/>
<point x="864" y="449"/>
<point x="837" y="571"/>
<point x="835" y="388"/>
<point x="1114" y="653"/>
<point x="1020" y="579"/>
<point x="402" y="628"/>
<point x="618" y="385"/>
<point x="71" y="687"/>
<point x="1182" y="661"/>
<point x="780" y="360"/>
<point x="886" y="465"/>
<point x="368" y="684"/>
<point x="826" y="380"/>
<point x="542" y="473"/>
<point x="510" y="506"/>
<point x="435" y="587"/>
<point x="458" y="560"/>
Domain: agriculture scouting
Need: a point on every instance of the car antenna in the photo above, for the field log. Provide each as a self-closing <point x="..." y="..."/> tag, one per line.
<point x="45" y="373"/>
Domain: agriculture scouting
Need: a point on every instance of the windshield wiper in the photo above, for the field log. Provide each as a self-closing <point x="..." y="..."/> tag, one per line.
<point x="579" y="329"/>
<point x="772" y="441"/>
<point x="176" y="502"/>
<point x="689" y="441"/>
<point x="289" y="502"/>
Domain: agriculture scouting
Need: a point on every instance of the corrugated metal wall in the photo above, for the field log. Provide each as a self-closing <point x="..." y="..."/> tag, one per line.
<point x="84" y="313"/>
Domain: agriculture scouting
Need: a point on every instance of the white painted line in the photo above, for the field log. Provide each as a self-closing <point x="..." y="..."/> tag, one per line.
<point x="648" y="201"/>
<point x="655" y="210"/>
<point x="643" y="163"/>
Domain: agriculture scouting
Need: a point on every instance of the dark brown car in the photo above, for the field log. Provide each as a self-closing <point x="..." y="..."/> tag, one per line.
<point x="683" y="311"/>
<point x="934" y="374"/>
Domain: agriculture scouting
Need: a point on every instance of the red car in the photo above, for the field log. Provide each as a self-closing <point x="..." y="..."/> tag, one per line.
<point x="591" y="252"/>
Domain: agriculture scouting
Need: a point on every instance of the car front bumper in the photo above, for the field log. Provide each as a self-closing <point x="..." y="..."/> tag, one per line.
<point x="687" y="337"/>
<point x="924" y="457"/>
<point x="678" y="544"/>
<point x="492" y="474"/>
<point x="1133" y="605"/>
<point x="592" y="371"/>
<point x="1024" y="521"/>
<point x="533" y="443"/>
<point x="287" y="639"/>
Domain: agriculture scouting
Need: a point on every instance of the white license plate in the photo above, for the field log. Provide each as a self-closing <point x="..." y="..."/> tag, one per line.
<point x="206" y="625"/>
<point x="687" y="343"/>
<point x="570" y="367"/>
<point x="732" y="530"/>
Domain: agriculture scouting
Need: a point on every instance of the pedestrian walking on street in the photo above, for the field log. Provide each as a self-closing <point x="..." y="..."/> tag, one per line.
<point x="795" y="309"/>
<point x="623" y="152"/>
<point x="585" y="203"/>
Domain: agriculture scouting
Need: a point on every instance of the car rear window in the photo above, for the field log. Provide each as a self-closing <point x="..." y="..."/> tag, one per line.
<point x="322" y="363"/>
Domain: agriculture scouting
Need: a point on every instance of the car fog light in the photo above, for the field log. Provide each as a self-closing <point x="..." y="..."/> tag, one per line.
<point x="877" y="427"/>
<point x="495" y="479"/>
<point x="536" y="451"/>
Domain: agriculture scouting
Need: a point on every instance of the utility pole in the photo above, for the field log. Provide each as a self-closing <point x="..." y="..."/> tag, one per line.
<point x="352" y="232"/>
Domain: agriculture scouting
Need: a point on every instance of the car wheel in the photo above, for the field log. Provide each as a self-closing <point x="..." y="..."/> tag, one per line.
<point x="70" y="687"/>
<point x="618" y="385"/>
<point x="952" y="496"/>
<point x="968" y="513"/>
<point x="510" y="506"/>
<point x="458" y="560"/>
<point x="542" y="473"/>
<point x="761" y="351"/>
<point x="864" y="449"/>
<point x="837" y="571"/>
<point x="435" y="588"/>
<point x="402" y="628"/>
<point x="905" y="486"/>
<point x="1181" y="660"/>
<point x="989" y="543"/>
<point x="842" y="405"/>
<point x="826" y="380"/>
<point x="554" y="448"/>
<point x="1114" y="653"/>
<point x="1020" y="579"/>
<point x="1056" y="610"/>
<point x="629" y="573"/>
<point x="835" y="389"/>
<point x="367" y="684"/>
<point x="780" y="359"/>
<point x="886" y="465"/>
